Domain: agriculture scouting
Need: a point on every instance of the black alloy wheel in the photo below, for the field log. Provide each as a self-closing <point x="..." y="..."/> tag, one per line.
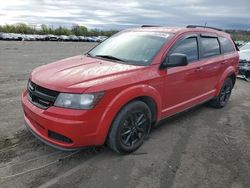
<point x="225" y="93"/>
<point x="130" y="127"/>
<point x="134" y="128"/>
<point x="222" y="99"/>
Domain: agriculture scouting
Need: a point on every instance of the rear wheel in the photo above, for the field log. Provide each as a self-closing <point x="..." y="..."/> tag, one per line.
<point x="130" y="127"/>
<point x="221" y="100"/>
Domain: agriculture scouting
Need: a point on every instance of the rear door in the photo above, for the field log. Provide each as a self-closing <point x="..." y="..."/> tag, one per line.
<point x="211" y="61"/>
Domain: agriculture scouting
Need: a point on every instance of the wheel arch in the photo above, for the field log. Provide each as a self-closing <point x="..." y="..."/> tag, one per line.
<point x="233" y="77"/>
<point x="144" y="93"/>
<point x="149" y="101"/>
<point x="228" y="73"/>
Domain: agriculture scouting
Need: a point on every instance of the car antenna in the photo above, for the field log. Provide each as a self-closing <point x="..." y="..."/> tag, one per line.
<point x="205" y="24"/>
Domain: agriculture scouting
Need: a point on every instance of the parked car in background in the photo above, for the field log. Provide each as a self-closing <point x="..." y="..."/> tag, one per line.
<point x="63" y="38"/>
<point x="124" y="86"/>
<point x="39" y="37"/>
<point x="6" y="36"/>
<point x="96" y="39"/>
<point x="73" y="38"/>
<point x="244" y="65"/>
<point x="91" y="39"/>
<point x="82" y="38"/>
<point x="36" y="37"/>
<point x="102" y="38"/>
<point x="240" y="43"/>
<point x="31" y="37"/>
<point x="10" y="36"/>
<point x="26" y="37"/>
<point x="245" y="46"/>
<point x="16" y="36"/>
<point x="52" y="38"/>
<point x="99" y="38"/>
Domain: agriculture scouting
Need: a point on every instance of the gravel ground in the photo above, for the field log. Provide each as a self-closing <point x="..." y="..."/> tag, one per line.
<point x="203" y="147"/>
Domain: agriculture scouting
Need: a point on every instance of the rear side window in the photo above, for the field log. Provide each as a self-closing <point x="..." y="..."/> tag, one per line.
<point x="189" y="47"/>
<point x="226" y="45"/>
<point x="210" y="46"/>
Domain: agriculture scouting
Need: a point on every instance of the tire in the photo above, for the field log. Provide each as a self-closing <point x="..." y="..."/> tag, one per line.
<point x="130" y="127"/>
<point x="221" y="100"/>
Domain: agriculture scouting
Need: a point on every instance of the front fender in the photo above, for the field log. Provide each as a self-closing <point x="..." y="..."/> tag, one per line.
<point x="119" y="101"/>
<point x="228" y="72"/>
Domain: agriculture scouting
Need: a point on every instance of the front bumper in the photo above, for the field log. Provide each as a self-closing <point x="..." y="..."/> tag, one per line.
<point x="49" y="143"/>
<point x="78" y="128"/>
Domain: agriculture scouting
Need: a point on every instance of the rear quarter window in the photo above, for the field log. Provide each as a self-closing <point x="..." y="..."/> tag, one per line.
<point x="226" y="45"/>
<point x="210" y="46"/>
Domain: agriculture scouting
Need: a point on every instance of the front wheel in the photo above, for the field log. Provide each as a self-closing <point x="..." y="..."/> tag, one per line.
<point x="130" y="127"/>
<point x="221" y="100"/>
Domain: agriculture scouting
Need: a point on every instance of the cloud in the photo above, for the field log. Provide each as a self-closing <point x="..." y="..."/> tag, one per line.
<point x="118" y="14"/>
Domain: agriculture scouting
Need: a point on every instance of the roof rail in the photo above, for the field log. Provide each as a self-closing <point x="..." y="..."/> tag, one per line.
<point x="202" y="26"/>
<point x="150" y="26"/>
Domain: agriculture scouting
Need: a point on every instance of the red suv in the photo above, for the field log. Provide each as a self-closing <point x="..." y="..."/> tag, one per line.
<point x="117" y="91"/>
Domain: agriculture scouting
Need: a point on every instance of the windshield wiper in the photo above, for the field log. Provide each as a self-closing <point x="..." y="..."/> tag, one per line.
<point x="88" y="54"/>
<point x="109" y="57"/>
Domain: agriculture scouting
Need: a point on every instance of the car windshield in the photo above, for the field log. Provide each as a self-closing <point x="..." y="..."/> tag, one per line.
<point x="137" y="48"/>
<point x="245" y="47"/>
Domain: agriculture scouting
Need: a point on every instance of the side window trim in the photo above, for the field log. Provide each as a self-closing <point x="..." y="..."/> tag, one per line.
<point x="208" y="35"/>
<point x="182" y="39"/>
<point x="221" y="47"/>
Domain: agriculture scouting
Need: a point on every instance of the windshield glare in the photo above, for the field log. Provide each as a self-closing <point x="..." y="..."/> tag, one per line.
<point x="132" y="47"/>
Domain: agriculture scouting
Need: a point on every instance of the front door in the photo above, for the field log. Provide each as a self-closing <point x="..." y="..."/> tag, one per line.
<point x="182" y="85"/>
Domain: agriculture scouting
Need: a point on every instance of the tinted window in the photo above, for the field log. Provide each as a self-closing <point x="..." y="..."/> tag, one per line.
<point x="210" y="46"/>
<point x="188" y="47"/>
<point x="226" y="45"/>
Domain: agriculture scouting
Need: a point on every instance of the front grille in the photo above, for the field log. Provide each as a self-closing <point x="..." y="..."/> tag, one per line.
<point x="40" y="96"/>
<point x="59" y="137"/>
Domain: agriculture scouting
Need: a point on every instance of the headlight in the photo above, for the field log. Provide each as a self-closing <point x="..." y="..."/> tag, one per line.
<point x="78" y="101"/>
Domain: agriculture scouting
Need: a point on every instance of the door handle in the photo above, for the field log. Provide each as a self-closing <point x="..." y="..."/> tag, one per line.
<point x="199" y="69"/>
<point x="223" y="62"/>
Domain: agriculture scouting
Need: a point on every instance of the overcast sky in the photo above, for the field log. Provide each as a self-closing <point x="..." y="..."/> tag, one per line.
<point x="118" y="14"/>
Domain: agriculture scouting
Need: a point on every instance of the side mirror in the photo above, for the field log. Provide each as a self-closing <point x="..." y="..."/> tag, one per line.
<point x="174" y="60"/>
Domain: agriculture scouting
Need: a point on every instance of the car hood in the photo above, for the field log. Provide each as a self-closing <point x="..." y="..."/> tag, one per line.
<point x="244" y="55"/>
<point x="78" y="73"/>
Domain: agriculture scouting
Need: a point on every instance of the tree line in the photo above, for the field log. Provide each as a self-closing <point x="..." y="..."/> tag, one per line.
<point x="243" y="35"/>
<point x="44" y="30"/>
<point x="84" y="31"/>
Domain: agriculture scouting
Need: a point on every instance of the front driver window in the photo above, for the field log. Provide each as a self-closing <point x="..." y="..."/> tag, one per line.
<point x="189" y="47"/>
